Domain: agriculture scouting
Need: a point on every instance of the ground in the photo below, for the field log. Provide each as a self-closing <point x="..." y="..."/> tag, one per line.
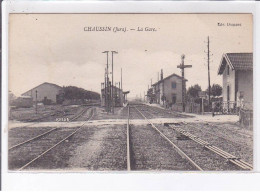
<point x="77" y="138"/>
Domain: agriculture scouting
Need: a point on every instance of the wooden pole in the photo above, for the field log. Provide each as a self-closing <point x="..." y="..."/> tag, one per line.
<point x="36" y="102"/>
<point x="209" y="77"/>
<point x="202" y="106"/>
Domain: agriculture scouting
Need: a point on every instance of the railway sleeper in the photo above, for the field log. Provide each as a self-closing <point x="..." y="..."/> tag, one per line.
<point x="170" y="124"/>
<point x="230" y="158"/>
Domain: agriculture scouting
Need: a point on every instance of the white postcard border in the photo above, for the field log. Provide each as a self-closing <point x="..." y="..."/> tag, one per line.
<point x="125" y="180"/>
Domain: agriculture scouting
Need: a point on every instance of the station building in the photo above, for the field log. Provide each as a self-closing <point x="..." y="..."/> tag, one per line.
<point x="119" y="96"/>
<point x="237" y="72"/>
<point x="168" y="91"/>
<point x="47" y="93"/>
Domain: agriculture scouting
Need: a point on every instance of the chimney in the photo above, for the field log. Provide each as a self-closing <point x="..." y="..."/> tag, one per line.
<point x="161" y="74"/>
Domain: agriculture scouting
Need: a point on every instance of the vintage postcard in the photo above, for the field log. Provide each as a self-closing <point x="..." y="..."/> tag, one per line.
<point x="130" y="92"/>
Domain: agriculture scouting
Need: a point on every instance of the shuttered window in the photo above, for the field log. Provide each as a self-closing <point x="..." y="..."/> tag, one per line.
<point x="173" y="85"/>
<point x="227" y="70"/>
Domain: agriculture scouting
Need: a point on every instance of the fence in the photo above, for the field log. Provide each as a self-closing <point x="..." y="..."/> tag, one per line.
<point x="224" y="107"/>
<point x="177" y="107"/>
<point x="192" y="107"/>
<point x="243" y="109"/>
<point x="246" y="118"/>
<point x="230" y="107"/>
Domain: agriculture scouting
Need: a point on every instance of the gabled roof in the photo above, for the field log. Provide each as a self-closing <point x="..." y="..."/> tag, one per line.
<point x="168" y="78"/>
<point x="43" y="84"/>
<point x="126" y="92"/>
<point x="236" y="61"/>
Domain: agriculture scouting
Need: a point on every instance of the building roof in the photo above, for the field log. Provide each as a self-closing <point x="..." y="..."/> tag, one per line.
<point x="126" y="92"/>
<point x="43" y="84"/>
<point x="160" y="81"/>
<point x="236" y="61"/>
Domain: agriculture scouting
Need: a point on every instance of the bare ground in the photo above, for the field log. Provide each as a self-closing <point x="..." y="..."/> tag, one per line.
<point x="151" y="152"/>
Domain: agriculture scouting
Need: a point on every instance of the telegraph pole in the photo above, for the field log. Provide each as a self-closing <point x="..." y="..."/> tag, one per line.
<point x="182" y="67"/>
<point x="112" y="93"/>
<point x="102" y="87"/>
<point x="105" y="89"/>
<point x="162" y="86"/>
<point x="106" y="84"/>
<point x="209" y="73"/>
<point x="36" y="101"/>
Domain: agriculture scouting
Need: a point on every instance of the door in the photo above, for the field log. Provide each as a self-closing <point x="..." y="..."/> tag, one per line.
<point x="228" y="98"/>
<point x="174" y="98"/>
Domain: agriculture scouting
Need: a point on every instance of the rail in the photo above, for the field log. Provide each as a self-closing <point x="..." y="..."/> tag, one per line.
<point x="45" y="133"/>
<point x="64" y="139"/>
<point x="128" y="142"/>
<point x="233" y="159"/>
<point x="174" y="145"/>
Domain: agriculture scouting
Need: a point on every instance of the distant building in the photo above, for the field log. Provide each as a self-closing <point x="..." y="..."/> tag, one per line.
<point x="168" y="91"/>
<point x="118" y="96"/>
<point x="47" y="93"/>
<point x="151" y="97"/>
<point x="237" y="72"/>
<point x="11" y="97"/>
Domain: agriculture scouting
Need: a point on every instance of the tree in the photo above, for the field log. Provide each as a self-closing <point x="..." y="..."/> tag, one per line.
<point x="216" y="90"/>
<point x="193" y="91"/>
<point x="72" y="92"/>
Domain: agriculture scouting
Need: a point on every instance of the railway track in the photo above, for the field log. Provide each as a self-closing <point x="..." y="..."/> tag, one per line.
<point x="63" y="139"/>
<point x="214" y="149"/>
<point x="53" y="113"/>
<point x="179" y="151"/>
<point x="164" y="113"/>
<point x="38" y="120"/>
<point x="47" y="132"/>
<point x="128" y="141"/>
<point x="205" y="130"/>
<point x="161" y="112"/>
<point x="231" y="158"/>
<point x="46" y="116"/>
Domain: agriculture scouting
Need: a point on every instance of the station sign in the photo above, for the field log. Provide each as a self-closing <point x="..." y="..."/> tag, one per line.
<point x="202" y="94"/>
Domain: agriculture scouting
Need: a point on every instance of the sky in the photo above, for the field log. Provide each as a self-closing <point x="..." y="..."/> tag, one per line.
<point x="55" y="48"/>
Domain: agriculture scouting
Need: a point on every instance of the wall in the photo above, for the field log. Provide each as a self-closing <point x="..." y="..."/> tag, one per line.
<point x="169" y="91"/>
<point x="228" y="80"/>
<point x="161" y="93"/>
<point x="115" y="91"/>
<point x="44" y="90"/>
<point x="245" y="84"/>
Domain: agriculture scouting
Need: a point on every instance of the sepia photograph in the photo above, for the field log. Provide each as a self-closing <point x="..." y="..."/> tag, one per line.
<point x="130" y="92"/>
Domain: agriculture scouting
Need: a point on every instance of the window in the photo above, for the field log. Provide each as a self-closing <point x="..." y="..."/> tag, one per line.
<point x="228" y="93"/>
<point x="227" y="70"/>
<point x="173" y="85"/>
